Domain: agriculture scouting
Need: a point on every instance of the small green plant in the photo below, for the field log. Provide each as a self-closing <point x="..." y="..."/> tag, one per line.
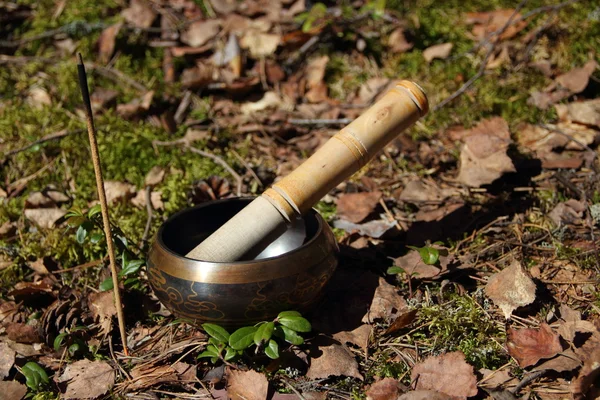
<point x="129" y="269"/>
<point x="264" y="335"/>
<point x="315" y="15"/>
<point x="429" y="255"/>
<point x="36" y="377"/>
<point x="73" y="341"/>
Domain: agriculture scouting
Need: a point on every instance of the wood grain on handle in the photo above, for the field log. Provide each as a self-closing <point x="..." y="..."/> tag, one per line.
<point x="349" y="150"/>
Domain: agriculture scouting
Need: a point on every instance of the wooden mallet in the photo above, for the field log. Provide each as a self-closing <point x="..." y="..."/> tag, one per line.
<point x="267" y="217"/>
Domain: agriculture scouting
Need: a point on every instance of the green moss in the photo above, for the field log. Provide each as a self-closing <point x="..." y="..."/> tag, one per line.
<point x="461" y="324"/>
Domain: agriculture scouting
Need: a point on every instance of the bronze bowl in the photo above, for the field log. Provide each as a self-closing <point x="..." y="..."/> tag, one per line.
<point x="242" y="292"/>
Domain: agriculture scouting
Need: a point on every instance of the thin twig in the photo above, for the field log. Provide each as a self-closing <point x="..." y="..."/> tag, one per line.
<point x="81" y="266"/>
<point x="248" y="168"/>
<point x="112" y="73"/>
<point x="53" y="136"/>
<point x="222" y="163"/>
<point x="102" y="196"/>
<point x="527" y="379"/>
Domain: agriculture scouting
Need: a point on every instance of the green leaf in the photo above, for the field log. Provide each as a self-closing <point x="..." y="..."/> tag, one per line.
<point x="242" y="338"/>
<point x="394" y="270"/>
<point x="73" y="212"/>
<point x="132" y="267"/>
<point x="94" y="210"/>
<point x="107" y="284"/>
<point x="58" y="341"/>
<point x="285" y="314"/>
<point x="211" y="351"/>
<point x="96" y="237"/>
<point x="297" y="324"/>
<point x="230" y="353"/>
<point x="216" y="332"/>
<point x="429" y="255"/>
<point x="81" y="234"/>
<point x="263" y="333"/>
<point x="291" y="336"/>
<point x="34" y="375"/>
<point x="272" y="350"/>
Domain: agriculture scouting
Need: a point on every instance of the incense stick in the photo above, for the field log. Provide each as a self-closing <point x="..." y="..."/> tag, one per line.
<point x="102" y="197"/>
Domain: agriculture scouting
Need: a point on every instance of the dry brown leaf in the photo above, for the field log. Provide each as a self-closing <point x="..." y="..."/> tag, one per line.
<point x="103" y="309"/>
<point x="402" y="321"/>
<point x="155" y="199"/>
<point x="511" y="288"/>
<point x="260" y="44"/>
<point x="355" y="207"/>
<point x="38" y="97"/>
<point x="567" y="212"/>
<point x="582" y="112"/>
<point x="118" y="191"/>
<point x="425" y="395"/>
<point x="494" y="379"/>
<point x="492" y="21"/>
<point x="269" y="100"/>
<point x="425" y="191"/>
<point x="200" y="32"/>
<point x="87" y="379"/>
<point x="139" y="14"/>
<point x="45" y="218"/>
<point x="398" y="43"/>
<point x="154" y="176"/>
<point x="587" y="385"/>
<point x="106" y="42"/>
<point x="247" y="385"/>
<point x="145" y="376"/>
<point x="7" y="359"/>
<point x="359" y="336"/>
<point x="334" y="360"/>
<point x="12" y="390"/>
<point x="577" y="79"/>
<point x="315" y="73"/>
<point x="437" y="214"/>
<point x="385" y="389"/>
<point x="7" y="229"/>
<point x="23" y="333"/>
<point x="386" y="304"/>
<point x="441" y="51"/>
<point x="413" y="264"/>
<point x="47" y="198"/>
<point x="529" y="345"/>
<point x="448" y="373"/>
<point x="136" y="107"/>
<point x="483" y="157"/>
<point x="563" y="362"/>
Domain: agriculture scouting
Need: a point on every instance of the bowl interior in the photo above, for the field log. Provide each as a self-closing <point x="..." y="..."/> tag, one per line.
<point x="184" y="230"/>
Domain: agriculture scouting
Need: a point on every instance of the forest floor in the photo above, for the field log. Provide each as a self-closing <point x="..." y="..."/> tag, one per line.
<point x="469" y="254"/>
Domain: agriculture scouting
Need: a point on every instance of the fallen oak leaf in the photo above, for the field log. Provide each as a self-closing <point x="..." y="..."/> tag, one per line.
<point x="529" y="345"/>
<point x="483" y="157"/>
<point x="45" y="218"/>
<point x="425" y="395"/>
<point x="441" y="51"/>
<point x="511" y="288"/>
<point x="334" y="360"/>
<point x="139" y="14"/>
<point x="12" y="390"/>
<point x="447" y="373"/>
<point x="355" y="207"/>
<point x="247" y="385"/>
<point x="386" y="303"/>
<point x="7" y="359"/>
<point x="87" y="379"/>
<point x="385" y="389"/>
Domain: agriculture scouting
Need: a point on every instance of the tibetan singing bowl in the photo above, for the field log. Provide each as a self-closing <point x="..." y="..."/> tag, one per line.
<point x="240" y="292"/>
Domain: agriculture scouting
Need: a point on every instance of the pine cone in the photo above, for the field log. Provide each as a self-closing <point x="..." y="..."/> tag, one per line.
<point x="213" y="188"/>
<point x="64" y="313"/>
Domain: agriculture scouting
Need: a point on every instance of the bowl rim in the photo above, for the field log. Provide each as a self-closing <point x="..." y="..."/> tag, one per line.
<point x="290" y="263"/>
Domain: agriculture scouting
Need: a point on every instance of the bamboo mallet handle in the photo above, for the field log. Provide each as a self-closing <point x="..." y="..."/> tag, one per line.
<point x="266" y="218"/>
